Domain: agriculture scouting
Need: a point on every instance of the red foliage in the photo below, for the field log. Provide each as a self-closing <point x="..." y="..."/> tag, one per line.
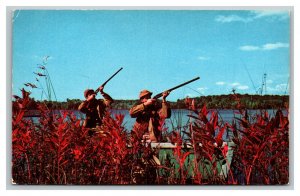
<point x="58" y="150"/>
<point x="260" y="148"/>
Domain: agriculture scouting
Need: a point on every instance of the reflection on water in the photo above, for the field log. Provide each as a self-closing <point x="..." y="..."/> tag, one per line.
<point x="179" y="118"/>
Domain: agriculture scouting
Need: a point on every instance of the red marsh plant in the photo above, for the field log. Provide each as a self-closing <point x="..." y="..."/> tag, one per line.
<point x="257" y="154"/>
<point x="205" y="136"/>
<point x="197" y="157"/>
<point x="58" y="150"/>
<point x="261" y="151"/>
<point x="261" y="154"/>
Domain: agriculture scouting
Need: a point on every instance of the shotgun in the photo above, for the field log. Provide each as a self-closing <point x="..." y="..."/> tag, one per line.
<point x="96" y="91"/>
<point x="171" y="89"/>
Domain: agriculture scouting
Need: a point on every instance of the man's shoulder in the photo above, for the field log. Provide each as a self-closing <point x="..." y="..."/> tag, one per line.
<point x="100" y="101"/>
<point x="137" y="104"/>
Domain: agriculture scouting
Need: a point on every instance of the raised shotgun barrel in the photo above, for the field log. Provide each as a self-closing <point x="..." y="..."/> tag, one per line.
<point x="96" y="91"/>
<point x="178" y="86"/>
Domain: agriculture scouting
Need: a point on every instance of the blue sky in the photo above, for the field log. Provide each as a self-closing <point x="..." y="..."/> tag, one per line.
<point x="157" y="49"/>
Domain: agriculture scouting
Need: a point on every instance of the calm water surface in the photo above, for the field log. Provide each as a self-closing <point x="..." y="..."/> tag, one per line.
<point x="179" y="118"/>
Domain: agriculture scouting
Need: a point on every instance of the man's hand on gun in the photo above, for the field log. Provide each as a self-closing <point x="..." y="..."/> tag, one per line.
<point x="150" y="102"/>
<point x="153" y="101"/>
<point x="165" y="94"/>
<point x="91" y="96"/>
<point x="101" y="88"/>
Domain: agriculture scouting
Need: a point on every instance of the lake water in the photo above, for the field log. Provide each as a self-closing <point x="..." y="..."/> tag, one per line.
<point x="179" y="118"/>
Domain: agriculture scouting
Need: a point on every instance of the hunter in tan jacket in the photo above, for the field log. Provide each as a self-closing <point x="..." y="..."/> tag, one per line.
<point x="94" y="108"/>
<point x="148" y="113"/>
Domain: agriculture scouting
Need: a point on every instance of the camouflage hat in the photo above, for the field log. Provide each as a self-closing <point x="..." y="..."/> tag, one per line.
<point x="143" y="93"/>
<point x="88" y="92"/>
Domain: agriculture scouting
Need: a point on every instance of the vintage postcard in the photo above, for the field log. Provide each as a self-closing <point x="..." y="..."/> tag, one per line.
<point x="151" y="97"/>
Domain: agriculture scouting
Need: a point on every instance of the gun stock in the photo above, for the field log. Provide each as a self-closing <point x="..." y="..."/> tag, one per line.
<point x="96" y="91"/>
<point x="178" y="86"/>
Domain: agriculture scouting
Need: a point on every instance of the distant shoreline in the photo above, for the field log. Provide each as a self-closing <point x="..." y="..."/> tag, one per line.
<point x="236" y="101"/>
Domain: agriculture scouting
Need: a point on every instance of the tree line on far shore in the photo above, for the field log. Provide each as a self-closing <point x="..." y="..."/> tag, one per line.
<point x="231" y="101"/>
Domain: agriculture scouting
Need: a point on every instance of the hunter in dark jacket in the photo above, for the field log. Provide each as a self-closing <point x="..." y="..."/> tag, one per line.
<point x="93" y="108"/>
<point x="148" y="113"/>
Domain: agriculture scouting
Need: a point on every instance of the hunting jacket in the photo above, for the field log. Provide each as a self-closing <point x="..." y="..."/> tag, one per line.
<point x="148" y="119"/>
<point x="95" y="110"/>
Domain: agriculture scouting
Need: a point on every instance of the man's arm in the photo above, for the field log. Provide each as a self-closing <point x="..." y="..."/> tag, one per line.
<point x="83" y="106"/>
<point x="165" y="111"/>
<point x="136" y="110"/>
<point x="139" y="108"/>
<point x="107" y="99"/>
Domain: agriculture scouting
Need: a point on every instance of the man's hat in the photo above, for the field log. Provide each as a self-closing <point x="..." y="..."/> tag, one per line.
<point x="143" y="93"/>
<point x="88" y="92"/>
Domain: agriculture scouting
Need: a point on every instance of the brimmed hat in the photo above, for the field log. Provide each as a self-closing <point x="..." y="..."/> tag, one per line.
<point x="143" y="93"/>
<point x="88" y="92"/>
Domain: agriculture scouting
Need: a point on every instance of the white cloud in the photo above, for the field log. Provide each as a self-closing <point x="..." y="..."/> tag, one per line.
<point x="268" y="46"/>
<point x="269" y="81"/>
<point x="231" y="18"/>
<point x="281" y="14"/>
<point x="220" y="83"/>
<point x="254" y="15"/>
<point x="235" y="84"/>
<point x="202" y="89"/>
<point x="249" y="48"/>
<point x="242" y="87"/>
<point x="203" y="58"/>
<point x="273" y="46"/>
<point x="270" y="89"/>
<point x="279" y="88"/>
